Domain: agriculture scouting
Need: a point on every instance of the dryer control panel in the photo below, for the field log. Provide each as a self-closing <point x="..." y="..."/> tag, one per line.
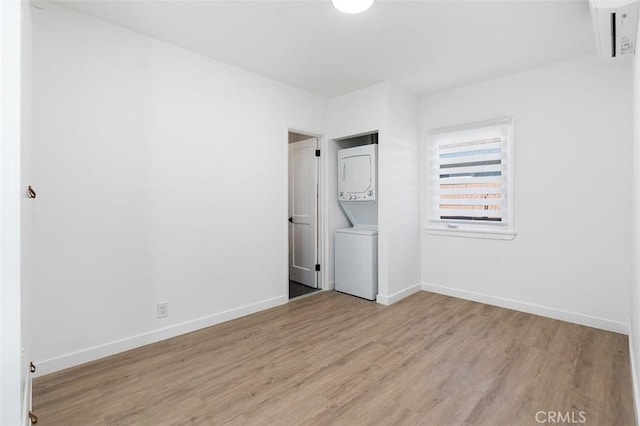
<point x="355" y="197"/>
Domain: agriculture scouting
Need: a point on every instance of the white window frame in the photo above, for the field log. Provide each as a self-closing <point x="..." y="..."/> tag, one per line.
<point x="473" y="229"/>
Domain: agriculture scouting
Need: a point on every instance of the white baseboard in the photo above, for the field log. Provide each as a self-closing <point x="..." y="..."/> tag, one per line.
<point x="574" y="317"/>
<point x="91" y="354"/>
<point x="634" y="381"/>
<point x="397" y="296"/>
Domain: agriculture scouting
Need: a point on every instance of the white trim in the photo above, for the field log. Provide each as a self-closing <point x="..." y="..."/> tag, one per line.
<point x="320" y="219"/>
<point x="26" y="398"/>
<point x="574" y="317"/>
<point x="11" y="27"/>
<point x="324" y="212"/>
<point x="634" y="381"/>
<point x="399" y="295"/>
<point x="473" y="233"/>
<point x="285" y="215"/>
<point x="96" y="352"/>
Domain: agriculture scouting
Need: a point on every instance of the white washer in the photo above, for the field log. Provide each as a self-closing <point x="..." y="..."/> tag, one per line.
<point x="356" y="262"/>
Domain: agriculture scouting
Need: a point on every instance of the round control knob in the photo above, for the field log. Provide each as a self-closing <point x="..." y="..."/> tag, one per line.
<point x="370" y="192"/>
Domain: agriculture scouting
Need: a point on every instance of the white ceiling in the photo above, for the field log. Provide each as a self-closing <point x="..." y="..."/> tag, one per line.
<point x="425" y="46"/>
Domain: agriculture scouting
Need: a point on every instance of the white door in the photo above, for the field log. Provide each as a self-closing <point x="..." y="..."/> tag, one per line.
<point x="303" y="202"/>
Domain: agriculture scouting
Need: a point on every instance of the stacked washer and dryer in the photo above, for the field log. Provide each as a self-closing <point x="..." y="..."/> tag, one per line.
<point x="356" y="248"/>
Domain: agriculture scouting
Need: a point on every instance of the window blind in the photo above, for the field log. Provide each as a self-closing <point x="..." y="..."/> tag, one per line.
<point x="469" y="172"/>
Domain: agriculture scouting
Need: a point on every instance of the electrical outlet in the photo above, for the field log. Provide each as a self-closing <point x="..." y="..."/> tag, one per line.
<point x="163" y="309"/>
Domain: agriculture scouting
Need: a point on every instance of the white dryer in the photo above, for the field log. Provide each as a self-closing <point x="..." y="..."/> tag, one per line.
<point x="356" y="248"/>
<point x="357" y="184"/>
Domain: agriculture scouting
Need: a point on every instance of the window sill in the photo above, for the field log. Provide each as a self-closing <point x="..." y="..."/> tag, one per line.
<point x="473" y="233"/>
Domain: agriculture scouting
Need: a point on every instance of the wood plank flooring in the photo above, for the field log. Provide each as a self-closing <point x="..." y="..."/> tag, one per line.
<point x="335" y="359"/>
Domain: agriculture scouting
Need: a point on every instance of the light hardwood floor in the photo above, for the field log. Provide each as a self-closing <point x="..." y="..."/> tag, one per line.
<point x="336" y="359"/>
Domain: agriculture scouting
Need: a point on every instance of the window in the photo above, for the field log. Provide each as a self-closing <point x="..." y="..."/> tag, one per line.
<point x="470" y="179"/>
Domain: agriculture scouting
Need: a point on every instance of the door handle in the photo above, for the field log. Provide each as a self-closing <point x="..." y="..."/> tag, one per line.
<point x="291" y="219"/>
<point x="344" y="170"/>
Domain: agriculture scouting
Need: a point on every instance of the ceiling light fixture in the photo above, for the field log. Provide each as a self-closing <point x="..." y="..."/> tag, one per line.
<point x="352" y="6"/>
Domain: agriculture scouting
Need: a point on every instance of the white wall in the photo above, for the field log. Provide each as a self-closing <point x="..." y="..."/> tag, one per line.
<point x="391" y="111"/>
<point x="634" y="332"/>
<point x="570" y="259"/>
<point x="161" y="177"/>
<point x="360" y="112"/>
<point x="400" y="189"/>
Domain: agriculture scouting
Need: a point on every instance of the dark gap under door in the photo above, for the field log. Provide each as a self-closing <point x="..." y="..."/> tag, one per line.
<point x="297" y="289"/>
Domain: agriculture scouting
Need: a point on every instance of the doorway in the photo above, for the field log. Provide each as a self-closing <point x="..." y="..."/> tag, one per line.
<point x="303" y="210"/>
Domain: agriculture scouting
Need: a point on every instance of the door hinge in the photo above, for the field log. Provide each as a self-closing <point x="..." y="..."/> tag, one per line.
<point x="317" y="267"/>
<point x="317" y="153"/>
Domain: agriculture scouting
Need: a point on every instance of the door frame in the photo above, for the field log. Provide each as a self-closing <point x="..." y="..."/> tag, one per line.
<point x="321" y="216"/>
<point x="11" y="50"/>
